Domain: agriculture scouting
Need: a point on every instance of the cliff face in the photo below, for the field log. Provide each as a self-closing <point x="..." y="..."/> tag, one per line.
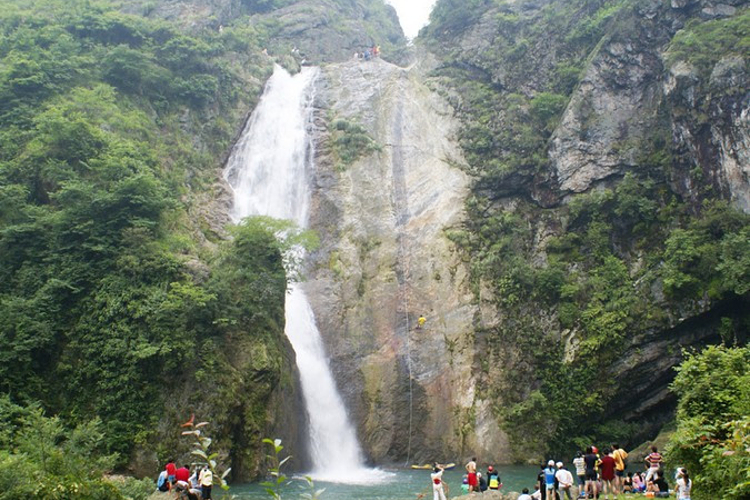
<point x="386" y="259"/>
<point x="616" y="108"/>
<point x="582" y="122"/>
<point x="320" y="30"/>
<point x="546" y="189"/>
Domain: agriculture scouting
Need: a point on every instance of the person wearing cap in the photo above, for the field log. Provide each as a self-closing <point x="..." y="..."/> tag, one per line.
<point x="564" y="480"/>
<point x="493" y="478"/>
<point x="549" y="480"/>
<point x="482" y="482"/>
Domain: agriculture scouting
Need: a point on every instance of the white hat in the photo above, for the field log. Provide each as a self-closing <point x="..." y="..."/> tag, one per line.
<point x="551" y="463"/>
<point x="559" y="464"/>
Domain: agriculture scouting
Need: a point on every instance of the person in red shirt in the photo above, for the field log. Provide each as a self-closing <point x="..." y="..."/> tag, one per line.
<point x="182" y="474"/>
<point x="171" y="468"/>
<point x="607" y="470"/>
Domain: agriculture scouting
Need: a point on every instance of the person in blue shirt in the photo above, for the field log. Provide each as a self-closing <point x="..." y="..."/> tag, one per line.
<point x="162" y="484"/>
<point x="549" y="480"/>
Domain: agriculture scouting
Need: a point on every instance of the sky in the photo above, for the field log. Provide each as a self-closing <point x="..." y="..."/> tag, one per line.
<point x="413" y="14"/>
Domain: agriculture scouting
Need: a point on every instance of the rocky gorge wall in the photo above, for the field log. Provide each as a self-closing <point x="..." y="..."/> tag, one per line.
<point x="385" y="259"/>
<point x="564" y="105"/>
<point x="256" y="393"/>
<point x="320" y="30"/>
<point x="388" y="254"/>
<point x="396" y="181"/>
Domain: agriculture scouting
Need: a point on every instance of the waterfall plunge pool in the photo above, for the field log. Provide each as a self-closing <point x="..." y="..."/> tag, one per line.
<point x="402" y="485"/>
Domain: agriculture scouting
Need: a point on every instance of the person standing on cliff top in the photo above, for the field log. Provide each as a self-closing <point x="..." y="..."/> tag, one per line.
<point x="421" y="321"/>
<point x="471" y="470"/>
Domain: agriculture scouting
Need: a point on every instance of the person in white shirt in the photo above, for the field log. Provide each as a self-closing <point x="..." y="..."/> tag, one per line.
<point x="580" y="465"/>
<point x="525" y="495"/>
<point x="437" y="483"/>
<point x="684" y="484"/>
<point x="564" y="479"/>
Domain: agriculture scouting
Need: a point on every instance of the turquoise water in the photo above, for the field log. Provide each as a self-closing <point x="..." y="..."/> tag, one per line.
<point x="397" y="485"/>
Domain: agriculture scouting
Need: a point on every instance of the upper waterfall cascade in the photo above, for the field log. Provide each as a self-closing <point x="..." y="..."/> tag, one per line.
<point x="269" y="171"/>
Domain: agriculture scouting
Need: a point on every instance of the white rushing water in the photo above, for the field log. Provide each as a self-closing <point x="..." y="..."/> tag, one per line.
<point x="269" y="171"/>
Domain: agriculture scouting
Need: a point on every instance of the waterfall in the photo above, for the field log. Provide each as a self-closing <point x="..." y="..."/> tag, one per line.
<point x="269" y="171"/>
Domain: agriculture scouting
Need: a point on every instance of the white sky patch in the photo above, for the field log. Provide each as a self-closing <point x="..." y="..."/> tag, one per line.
<point x="413" y="14"/>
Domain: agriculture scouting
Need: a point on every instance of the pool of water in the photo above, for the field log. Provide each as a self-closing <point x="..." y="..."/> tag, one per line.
<point x="392" y="485"/>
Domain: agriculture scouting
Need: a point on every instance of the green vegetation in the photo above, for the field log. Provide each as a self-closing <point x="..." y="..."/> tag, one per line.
<point x="110" y="309"/>
<point x="42" y="459"/>
<point x="350" y="142"/>
<point x="275" y="486"/>
<point x="703" y="44"/>
<point x="713" y="428"/>
<point x="202" y="450"/>
<point x="576" y="282"/>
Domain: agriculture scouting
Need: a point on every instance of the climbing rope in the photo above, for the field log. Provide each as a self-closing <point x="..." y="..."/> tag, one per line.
<point x="408" y="348"/>
<point x="405" y="259"/>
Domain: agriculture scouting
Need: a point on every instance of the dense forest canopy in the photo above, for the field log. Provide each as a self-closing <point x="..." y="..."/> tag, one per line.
<point x="112" y="294"/>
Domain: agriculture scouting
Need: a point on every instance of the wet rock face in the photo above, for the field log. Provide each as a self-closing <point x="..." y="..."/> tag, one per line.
<point x="716" y="145"/>
<point x="386" y="259"/>
<point x="612" y="111"/>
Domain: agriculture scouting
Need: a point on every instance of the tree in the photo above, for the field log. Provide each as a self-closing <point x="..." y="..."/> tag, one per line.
<point x="713" y="422"/>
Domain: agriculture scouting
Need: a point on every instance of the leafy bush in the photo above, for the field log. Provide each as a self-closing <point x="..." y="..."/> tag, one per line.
<point x="351" y="142"/>
<point x="713" y="428"/>
<point x="41" y="459"/>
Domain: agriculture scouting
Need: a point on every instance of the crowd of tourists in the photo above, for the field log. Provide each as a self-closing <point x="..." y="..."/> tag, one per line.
<point x="603" y="475"/>
<point x="185" y="483"/>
